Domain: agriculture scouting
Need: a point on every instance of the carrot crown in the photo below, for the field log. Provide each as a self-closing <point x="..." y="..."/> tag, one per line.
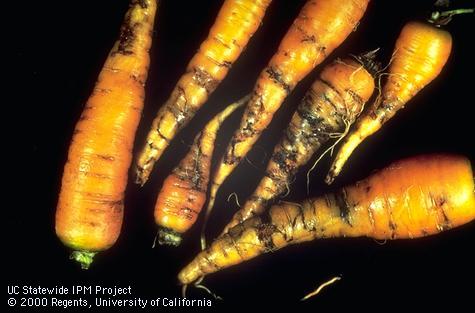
<point x="440" y="18"/>
<point x="83" y="257"/>
<point x="369" y="61"/>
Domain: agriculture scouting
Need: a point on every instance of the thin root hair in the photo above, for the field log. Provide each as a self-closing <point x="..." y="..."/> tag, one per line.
<point x="320" y="288"/>
<point x="329" y="149"/>
<point x="235" y="198"/>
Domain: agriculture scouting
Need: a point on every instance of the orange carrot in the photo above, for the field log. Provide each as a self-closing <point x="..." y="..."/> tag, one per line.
<point x="236" y="23"/>
<point x="412" y="198"/>
<point x="90" y="207"/>
<point x="420" y="53"/>
<point x="321" y="26"/>
<point x="332" y="104"/>
<point x="184" y="191"/>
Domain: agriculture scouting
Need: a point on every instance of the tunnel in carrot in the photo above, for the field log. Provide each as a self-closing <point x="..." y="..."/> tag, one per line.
<point x="61" y="51"/>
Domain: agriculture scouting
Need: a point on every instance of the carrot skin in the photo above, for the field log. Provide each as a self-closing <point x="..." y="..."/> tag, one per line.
<point x="332" y="103"/>
<point x="411" y="198"/>
<point x="320" y="27"/>
<point x="184" y="191"/>
<point x="90" y="206"/>
<point x="420" y="54"/>
<point x="235" y="24"/>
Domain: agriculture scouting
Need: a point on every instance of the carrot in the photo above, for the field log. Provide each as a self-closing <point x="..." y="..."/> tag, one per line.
<point x="332" y="103"/>
<point x="411" y="198"/>
<point x="420" y="53"/>
<point x="236" y="23"/>
<point x="90" y="206"/>
<point x="184" y="191"/>
<point x="321" y="26"/>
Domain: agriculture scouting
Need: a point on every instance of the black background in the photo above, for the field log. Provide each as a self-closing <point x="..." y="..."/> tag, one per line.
<point x="60" y="48"/>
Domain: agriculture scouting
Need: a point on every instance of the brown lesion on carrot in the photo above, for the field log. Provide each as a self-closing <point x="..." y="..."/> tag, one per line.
<point x="221" y="42"/>
<point x="305" y="222"/>
<point x="116" y="203"/>
<point x="328" y="100"/>
<point x="102" y="90"/>
<point x="333" y="88"/>
<point x="111" y="203"/>
<point x="192" y="172"/>
<point x="305" y="113"/>
<point x="224" y="63"/>
<point x="105" y="157"/>
<point x="392" y="224"/>
<point x="204" y="79"/>
<point x="252" y="115"/>
<point x="281" y="158"/>
<point x="137" y="79"/>
<point x="231" y="158"/>
<point x="341" y="200"/>
<point x="126" y="38"/>
<point x="206" y="256"/>
<point x="305" y="36"/>
<point x="188" y="213"/>
<point x="179" y="107"/>
<point x="276" y="75"/>
<point x="264" y="234"/>
<point x="153" y="146"/>
<point x="439" y="202"/>
<point x="354" y="95"/>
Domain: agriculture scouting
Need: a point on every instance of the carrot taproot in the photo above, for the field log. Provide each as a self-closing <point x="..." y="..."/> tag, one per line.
<point x="90" y="206"/>
<point x="235" y="24"/>
<point x="411" y="198"/>
<point x="183" y="193"/>
<point x="420" y="53"/>
<point x="320" y="27"/>
<point x="331" y="104"/>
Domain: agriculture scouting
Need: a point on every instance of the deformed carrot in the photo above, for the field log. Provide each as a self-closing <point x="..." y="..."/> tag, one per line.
<point x="184" y="191"/>
<point x="412" y="198"/>
<point x="236" y="23"/>
<point x="320" y="27"/>
<point x="330" y="106"/>
<point x="90" y="207"/>
<point x="420" y="53"/>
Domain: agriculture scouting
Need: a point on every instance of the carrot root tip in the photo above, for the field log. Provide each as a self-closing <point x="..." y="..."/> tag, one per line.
<point x="84" y="258"/>
<point x="169" y="237"/>
<point x="330" y="178"/>
<point x="138" y="180"/>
